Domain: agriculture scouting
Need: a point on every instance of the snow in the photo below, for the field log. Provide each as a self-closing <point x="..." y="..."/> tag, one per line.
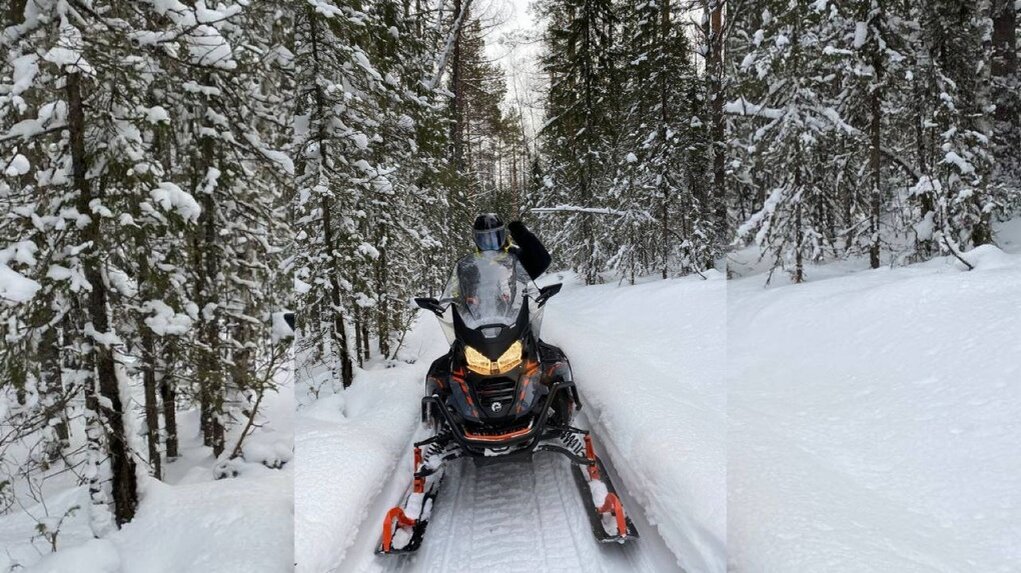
<point x="599" y="492"/>
<point x="98" y="556"/>
<point x="861" y="33"/>
<point x="659" y="407"/>
<point x="69" y="58"/>
<point x="190" y="522"/>
<point x="171" y="197"/>
<point x="658" y="417"/>
<point x="962" y="164"/>
<point x="873" y="417"/>
<point x="156" y="114"/>
<point x="347" y="445"/>
<point x="165" y="320"/>
<point x="18" y="166"/>
<point x="282" y="159"/>
<point x="281" y="330"/>
<point x="25" y="69"/>
<point x="16" y="287"/>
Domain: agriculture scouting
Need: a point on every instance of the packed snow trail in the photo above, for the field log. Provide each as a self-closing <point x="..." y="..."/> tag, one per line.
<point x="516" y="517"/>
<point x="649" y="363"/>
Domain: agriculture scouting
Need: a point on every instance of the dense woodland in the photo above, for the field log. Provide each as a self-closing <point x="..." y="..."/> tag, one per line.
<point x="886" y="129"/>
<point x="176" y="175"/>
<point x="146" y="182"/>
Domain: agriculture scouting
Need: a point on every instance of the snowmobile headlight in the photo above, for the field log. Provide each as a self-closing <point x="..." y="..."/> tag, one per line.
<point x="510" y="358"/>
<point x="478" y="363"/>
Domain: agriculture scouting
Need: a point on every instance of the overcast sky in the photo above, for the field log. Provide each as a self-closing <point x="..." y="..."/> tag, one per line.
<point x="513" y="43"/>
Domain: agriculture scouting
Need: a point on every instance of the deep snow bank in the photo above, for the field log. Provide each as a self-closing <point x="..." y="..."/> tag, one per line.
<point x="348" y="443"/>
<point x="874" y="419"/>
<point x="649" y="362"/>
<point x="191" y="522"/>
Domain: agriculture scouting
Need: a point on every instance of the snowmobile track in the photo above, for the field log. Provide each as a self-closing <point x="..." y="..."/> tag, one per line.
<point x="518" y="517"/>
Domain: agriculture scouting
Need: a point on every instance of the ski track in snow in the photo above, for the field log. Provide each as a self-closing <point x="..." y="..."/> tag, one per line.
<point x="516" y="517"/>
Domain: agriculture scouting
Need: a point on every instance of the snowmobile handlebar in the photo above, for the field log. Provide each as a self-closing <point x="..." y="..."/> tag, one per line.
<point x="547" y="292"/>
<point x="430" y="304"/>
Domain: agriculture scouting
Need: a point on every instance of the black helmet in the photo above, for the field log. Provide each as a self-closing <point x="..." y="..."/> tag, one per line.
<point x="489" y="232"/>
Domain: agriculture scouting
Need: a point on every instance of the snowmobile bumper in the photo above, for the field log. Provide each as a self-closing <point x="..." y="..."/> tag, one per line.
<point x="514" y="440"/>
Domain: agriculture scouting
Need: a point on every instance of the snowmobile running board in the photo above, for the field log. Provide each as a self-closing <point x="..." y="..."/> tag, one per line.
<point x="404" y="525"/>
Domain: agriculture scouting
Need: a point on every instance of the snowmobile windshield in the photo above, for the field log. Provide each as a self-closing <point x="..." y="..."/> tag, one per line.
<point x="488" y="288"/>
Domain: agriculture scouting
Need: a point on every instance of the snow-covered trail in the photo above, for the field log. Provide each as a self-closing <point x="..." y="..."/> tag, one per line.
<point x="649" y="363"/>
<point x="509" y="518"/>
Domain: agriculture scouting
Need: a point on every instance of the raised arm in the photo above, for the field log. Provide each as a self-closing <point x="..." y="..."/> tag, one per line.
<point x="531" y="252"/>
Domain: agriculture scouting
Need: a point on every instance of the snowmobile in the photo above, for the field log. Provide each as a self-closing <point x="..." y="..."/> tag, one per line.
<point x="500" y="395"/>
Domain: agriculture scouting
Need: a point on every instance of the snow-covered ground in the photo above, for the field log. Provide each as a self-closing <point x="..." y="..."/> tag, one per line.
<point x="875" y="417"/>
<point x="190" y="522"/>
<point x="649" y="362"/>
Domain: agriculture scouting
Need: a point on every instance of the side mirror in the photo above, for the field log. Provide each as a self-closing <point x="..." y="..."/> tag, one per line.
<point x="547" y="292"/>
<point x="430" y="304"/>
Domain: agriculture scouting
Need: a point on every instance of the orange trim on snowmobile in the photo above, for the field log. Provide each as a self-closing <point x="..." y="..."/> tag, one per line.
<point x="613" y="504"/>
<point x="388" y="525"/>
<point x="498" y="437"/>
<point x="419" y="482"/>
<point x="458" y="376"/>
<point x="590" y="453"/>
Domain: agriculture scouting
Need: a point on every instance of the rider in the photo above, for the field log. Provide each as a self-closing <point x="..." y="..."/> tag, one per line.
<point x="491" y="235"/>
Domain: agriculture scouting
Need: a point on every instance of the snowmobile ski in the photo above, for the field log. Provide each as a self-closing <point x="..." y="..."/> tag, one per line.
<point x="404" y="525"/>
<point x="610" y="524"/>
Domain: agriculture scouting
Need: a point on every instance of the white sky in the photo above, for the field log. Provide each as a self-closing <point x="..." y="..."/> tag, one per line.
<point x="513" y="42"/>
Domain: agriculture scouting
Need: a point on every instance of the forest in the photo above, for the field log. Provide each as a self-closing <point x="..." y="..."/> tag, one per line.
<point x="178" y="174"/>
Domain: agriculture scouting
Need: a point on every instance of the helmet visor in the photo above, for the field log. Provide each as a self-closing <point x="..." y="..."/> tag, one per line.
<point x="490" y="239"/>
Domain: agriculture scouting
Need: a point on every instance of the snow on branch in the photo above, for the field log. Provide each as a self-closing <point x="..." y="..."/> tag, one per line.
<point x="742" y="106"/>
<point x="572" y="209"/>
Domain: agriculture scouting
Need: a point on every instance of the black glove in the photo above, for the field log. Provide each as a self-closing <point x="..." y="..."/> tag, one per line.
<point x="517" y="229"/>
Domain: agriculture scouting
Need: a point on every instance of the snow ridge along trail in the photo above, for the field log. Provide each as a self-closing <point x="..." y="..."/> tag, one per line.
<point x="649" y="363"/>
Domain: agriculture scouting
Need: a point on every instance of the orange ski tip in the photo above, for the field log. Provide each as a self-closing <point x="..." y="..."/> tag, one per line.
<point x="613" y="504"/>
<point x="388" y="525"/>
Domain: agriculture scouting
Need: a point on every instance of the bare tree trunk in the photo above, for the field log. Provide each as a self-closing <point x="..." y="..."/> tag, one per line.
<point x="382" y="280"/>
<point x="664" y="91"/>
<point x="875" y="166"/>
<point x="15" y="12"/>
<point x="338" y="330"/>
<point x="124" y="488"/>
<point x="1005" y="63"/>
<point x="168" y="395"/>
<point x="456" y="87"/>
<point x="799" y="233"/>
<point x="152" y="419"/>
<point x="210" y="373"/>
<point x="714" y="71"/>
